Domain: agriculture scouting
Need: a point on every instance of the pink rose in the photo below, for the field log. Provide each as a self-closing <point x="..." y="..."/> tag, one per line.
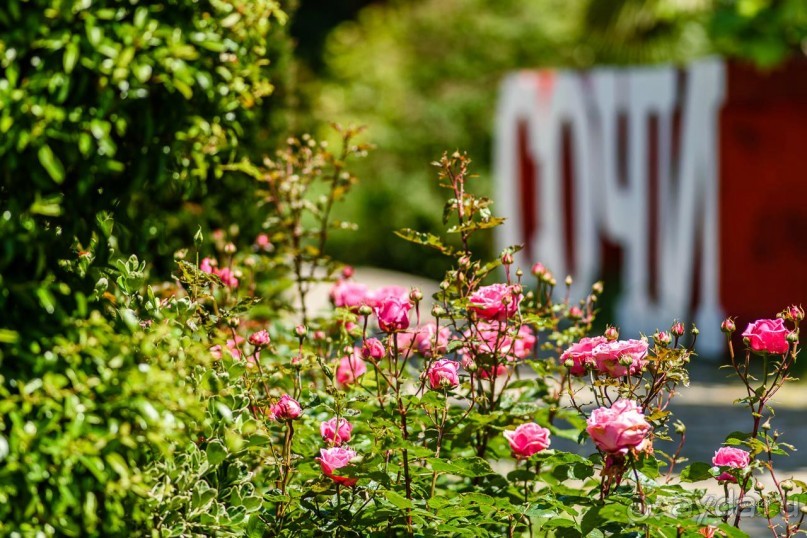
<point x="767" y="336"/>
<point x="524" y="342"/>
<point x="262" y="243"/>
<point x="215" y="352"/>
<point x="332" y="459"/>
<point x="428" y="337"/>
<point x="496" y="339"/>
<point x="336" y="432"/>
<point x="735" y="458"/>
<point x="350" y="369"/>
<point x="232" y="345"/>
<point x="378" y="296"/>
<point x="495" y="302"/>
<point x="287" y="408"/>
<point x="393" y="314"/>
<point x="619" y="428"/>
<point x="493" y="372"/>
<point x="527" y="439"/>
<point x="373" y="349"/>
<point x="227" y="277"/>
<point x="208" y="265"/>
<point x="580" y="354"/>
<point x="610" y="356"/>
<point x="259" y="339"/>
<point x="345" y="294"/>
<point x="442" y="374"/>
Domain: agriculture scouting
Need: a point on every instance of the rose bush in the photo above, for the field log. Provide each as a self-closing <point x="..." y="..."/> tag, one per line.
<point x="365" y="419"/>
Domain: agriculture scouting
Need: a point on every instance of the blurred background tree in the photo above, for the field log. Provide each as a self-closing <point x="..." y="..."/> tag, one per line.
<point x="424" y="77"/>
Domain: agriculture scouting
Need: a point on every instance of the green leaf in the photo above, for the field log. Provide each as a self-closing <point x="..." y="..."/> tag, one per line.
<point x="216" y="452"/>
<point x="696" y="472"/>
<point x="469" y="467"/>
<point x="397" y="499"/>
<point x="427" y="239"/>
<point x="52" y="165"/>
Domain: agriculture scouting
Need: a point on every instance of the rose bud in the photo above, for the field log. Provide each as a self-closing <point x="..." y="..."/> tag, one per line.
<point x="373" y="349"/>
<point x="728" y="326"/>
<point x="287" y="408"/>
<point x="336" y="432"/>
<point x="259" y="339"/>
<point x="677" y="329"/>
<point x="611" y="333"/>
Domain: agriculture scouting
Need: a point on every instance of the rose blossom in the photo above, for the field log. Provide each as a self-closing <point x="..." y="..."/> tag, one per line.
<point x="735" y="458"/>
<point x="524" y="342"/>
<point x="767" y="336"/>
<point x="351" y="295"/>
<point x="208" y="265"/>
<point x="232" y="345"/>
<point x="262" y="243"/>
<point x="373" y="349"/>
<point x="393" y="314"/>
<point x="580" y="354"/>
<point x="334" y="458"/>
<point x="442" y="374"/>
<point x="493" y="372"/>
<point x="495" y="302"/>
<point x="336" y="432"/>
<point x="375" y="298"/>
<point x="495" y="338"/>
<point x="350" y="368"/>
<point x="227" y="277"/>
<point x="618" y="428"/>
<point x="527" y="439"/>
<point x="608" y="357"/>
<point x="425" y="338"/>
<point x="259" y="339"/>
<point x="287" y="408"/>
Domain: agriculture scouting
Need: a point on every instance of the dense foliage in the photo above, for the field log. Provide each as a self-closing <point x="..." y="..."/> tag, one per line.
<point x="122" y="110"/>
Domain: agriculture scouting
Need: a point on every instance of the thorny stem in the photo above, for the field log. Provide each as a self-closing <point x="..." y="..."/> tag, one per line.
<point x="404" y="433"/>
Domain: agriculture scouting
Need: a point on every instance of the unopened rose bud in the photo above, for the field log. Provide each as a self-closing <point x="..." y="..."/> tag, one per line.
<point x="568" y="280"/>
<point x="677" y="329"/>
<point x="794" y="313"/>
<point x="444" y="285"/>
<point x="793" y="337"/>
<point x="695" y="331"/>
<point x="728" y="326"/>
<point x="347" y="272"/>
<point x="552" y="282"/>
<point x="662" y="338"/>
<point x="759" y="486"/>
<point x="626" y="360"/>
<point x="229" y="248"/>
<point x="365" y="310"/>
<point x="680" y="428"/>
<point x="300" y="330"/>
<point x="767" y="425"/>
<point x="611" y="333"/>
<point x="507" y="259"/>
<point x="233" y="322"/>
<point x="568" y="363"/>
<point x="538" y="269"/>
<point x="803" y="508"/>
<point x="296" y="360"/>
<point x="519" y="273"/>
<point x="575" y="312"/>
<point x="464" y="262"/>
<point x="787" y="485"/>
<point x="319" y="335"/>
<point x="597" y="287"/>
<point x="415" y="295"/>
